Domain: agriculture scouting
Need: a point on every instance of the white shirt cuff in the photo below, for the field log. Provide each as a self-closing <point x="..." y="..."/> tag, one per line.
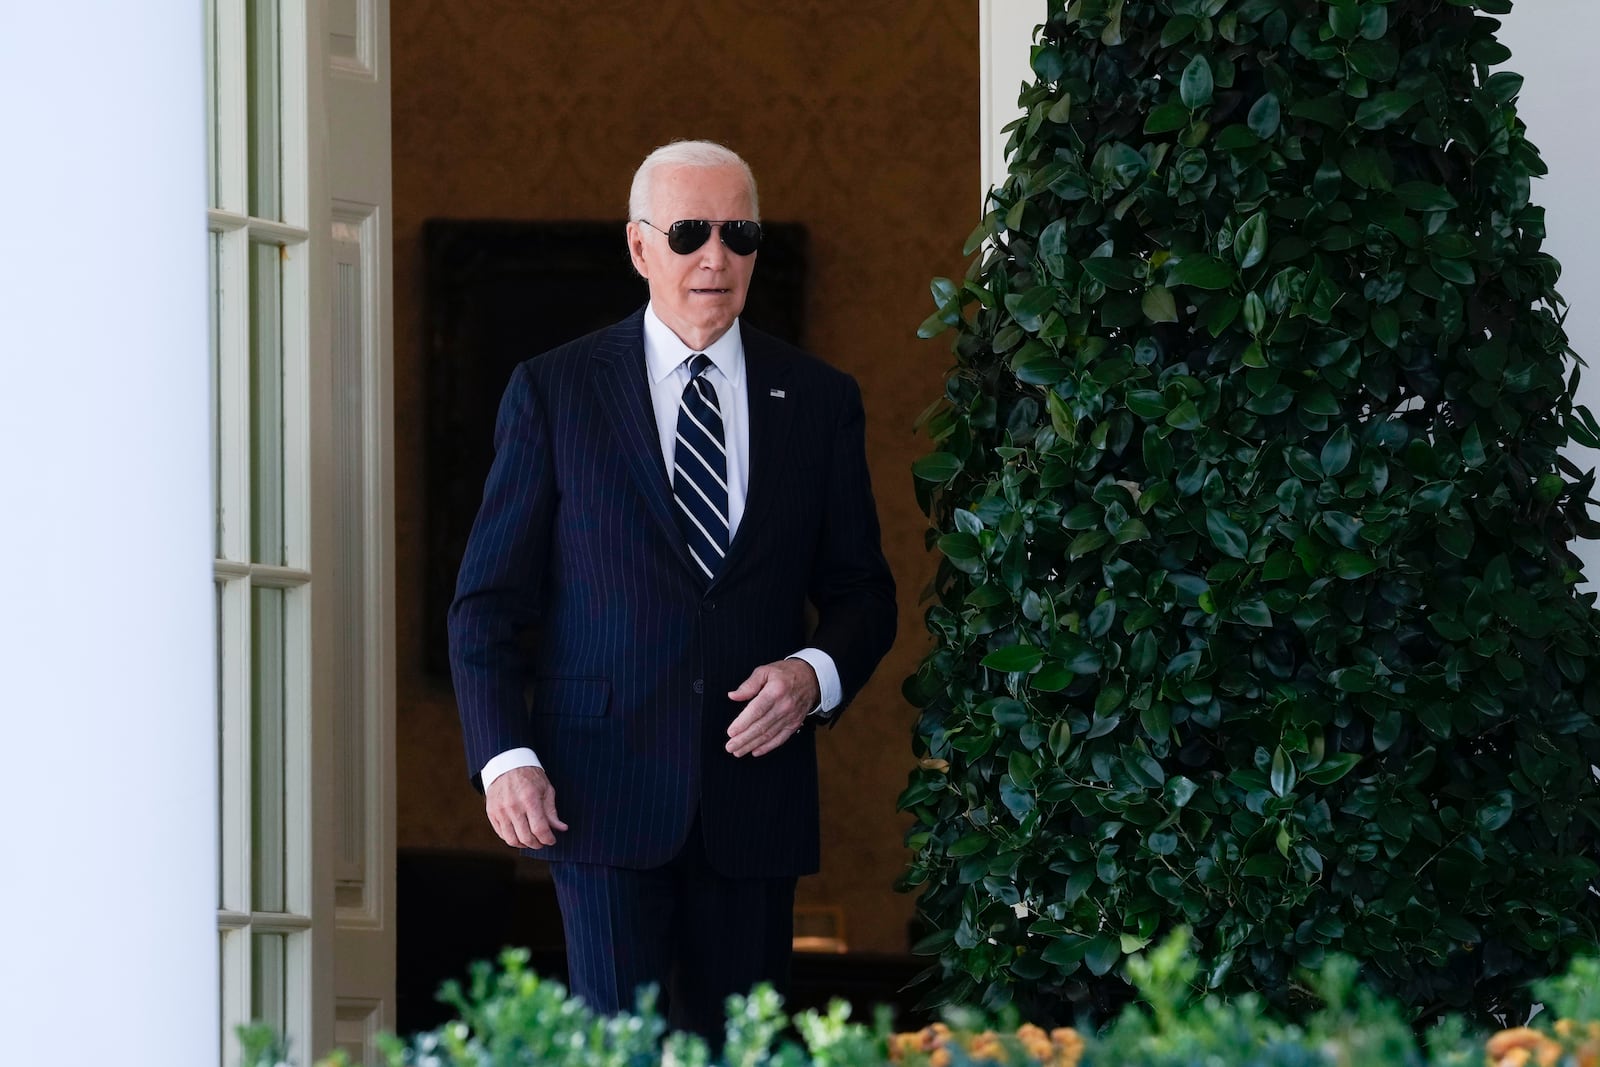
<point x="827" y="678"/>
<point x="509" y="760"/>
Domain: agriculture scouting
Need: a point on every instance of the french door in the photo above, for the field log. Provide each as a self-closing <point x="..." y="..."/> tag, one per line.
<point x="297" y="99"/>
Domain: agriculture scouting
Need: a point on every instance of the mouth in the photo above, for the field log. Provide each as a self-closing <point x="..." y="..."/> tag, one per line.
<point x="711" y="292"/>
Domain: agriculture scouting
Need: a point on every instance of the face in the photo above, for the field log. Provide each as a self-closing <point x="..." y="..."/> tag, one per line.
<point x="698" y="295"/>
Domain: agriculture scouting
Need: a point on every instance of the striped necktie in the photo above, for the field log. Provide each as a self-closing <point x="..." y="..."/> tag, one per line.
<point x="700" y="470"/>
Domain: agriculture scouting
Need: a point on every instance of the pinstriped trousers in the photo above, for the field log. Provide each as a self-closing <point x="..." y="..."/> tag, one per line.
<point x="700" y="936"/>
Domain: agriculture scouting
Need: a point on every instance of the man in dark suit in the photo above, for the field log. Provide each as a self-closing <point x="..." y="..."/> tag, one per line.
<point x="637" y="680"/>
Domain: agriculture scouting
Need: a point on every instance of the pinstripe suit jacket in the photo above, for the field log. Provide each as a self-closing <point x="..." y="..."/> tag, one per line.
<point x="581" y="627"/>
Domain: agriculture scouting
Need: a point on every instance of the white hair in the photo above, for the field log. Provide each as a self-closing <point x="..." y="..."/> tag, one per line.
<point x="707" y="154"/>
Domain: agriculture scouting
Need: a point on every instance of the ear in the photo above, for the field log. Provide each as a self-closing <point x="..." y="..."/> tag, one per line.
<point x="636" y="248"/>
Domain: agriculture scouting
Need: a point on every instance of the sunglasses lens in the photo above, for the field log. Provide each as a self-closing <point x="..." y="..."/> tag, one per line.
<point x="743" y="237"/>
<point x="686" y="235"/>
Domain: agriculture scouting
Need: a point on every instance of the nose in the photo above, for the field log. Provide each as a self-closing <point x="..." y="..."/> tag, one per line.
<point x="714" y="252"/>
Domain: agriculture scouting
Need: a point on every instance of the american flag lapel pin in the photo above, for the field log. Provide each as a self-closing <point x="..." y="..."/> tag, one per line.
<point x="779" y="393"/>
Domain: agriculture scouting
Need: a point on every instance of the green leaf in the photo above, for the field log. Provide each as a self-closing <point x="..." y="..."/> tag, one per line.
<point x="1227" y="535"/>
<point x="1067" y="952"/>
<point x="1102" y="955"/>
<point x="1008" y="713"/>
<point x="1457" y="539"/>
<point x="1029" y="308"/>
<point x="1366" y="167"/>
<point x="934" y="325"/>
<point x="1375" y="59"/>
<point x="1456" y="271"/>
<point x="1186" y="416"/>
<point x="1255" y="320"/>
<point x="1164" y="118"/>
<point x="1336" y="452"/>
<point x="1158" y="304"/>
<point x="1495" y="813"/>
<point x="1060" y="738"/>
<point x="933" y="943"/>
<point x="1250" y="241"/>
<point x="1504" y="86"/>
<point x="1374" y="21"/>
<point x="1333" y="768"/>
<point x="1328" y="110"/>
<point x="1386" y="326"/>
<point x="1013" y="658"/>
<point x="1196" y="86"/>
<point x="1180" y="791"/>
<point x="1113" y="272"/>
<point x="1424" y="196"/>
<point x="1345" y="19"/>
<point x="969" y="845"/>
<point x="1265" y="116"/>
<point x="937" y="467"/>
<point x="1254" y="613"/>
<point x="1353" y="679"/>
<point x="1087" y="542"/>
<point x="1283" y="775"/>
<point x="960" y="546"/>
<point x="1352" y="565"/>
<point x="1118" y="165"/>
<point x="1232" y="139"/>
<point x="1061" y="110"/>
<point x="1203" y="272"/>
<point x="1384" y="109"/>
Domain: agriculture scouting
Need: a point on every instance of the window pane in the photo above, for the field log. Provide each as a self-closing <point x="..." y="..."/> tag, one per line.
<point x="266" y="390"/>
<point x="211" y="106"/>
<point x="268" y="992"/>
<point x="214" y="266"/>
<point x="267" y="748"/>
<point x="262" y="79"/>
<point x="222" y="841"/>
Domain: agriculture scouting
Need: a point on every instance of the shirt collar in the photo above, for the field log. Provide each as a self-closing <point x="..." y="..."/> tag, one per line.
<point x="664" y="352"/>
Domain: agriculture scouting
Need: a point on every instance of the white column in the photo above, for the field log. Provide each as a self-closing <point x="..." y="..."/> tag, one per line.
<point x="107" y="767"/>
<point x="1552" y="47"/>
<point x="1005" y="43"/>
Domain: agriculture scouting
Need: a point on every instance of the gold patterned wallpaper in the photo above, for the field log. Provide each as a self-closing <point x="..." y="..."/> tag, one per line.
<point x="860" y="120"/>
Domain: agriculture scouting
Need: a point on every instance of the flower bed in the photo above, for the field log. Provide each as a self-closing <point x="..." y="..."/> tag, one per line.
<point x="511" y="1016"/>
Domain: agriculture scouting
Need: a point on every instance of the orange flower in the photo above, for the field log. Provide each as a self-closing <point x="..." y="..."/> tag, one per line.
<point x="1065" y="1046"/>
<point x="987" y="1046"/>
<point x="1571" y="1033"/>
<point x="1515" y="1047"/>
<point x="903" y="1045"/>
<point x="1036" y="1043"/>
<point x="940" y="1057"/>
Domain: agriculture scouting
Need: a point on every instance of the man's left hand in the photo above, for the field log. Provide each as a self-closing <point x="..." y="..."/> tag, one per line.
<point x="781" y="695"/>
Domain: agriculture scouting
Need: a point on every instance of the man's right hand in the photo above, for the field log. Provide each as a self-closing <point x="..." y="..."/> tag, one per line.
<point x="522" y="808"/>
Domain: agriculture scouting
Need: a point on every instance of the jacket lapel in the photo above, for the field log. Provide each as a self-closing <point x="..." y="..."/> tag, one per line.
<point x="771" y="415"/>
<point x="622" y="391"/>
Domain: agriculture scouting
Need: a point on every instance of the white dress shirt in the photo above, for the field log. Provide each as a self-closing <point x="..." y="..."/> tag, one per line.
<point x="666" y="360"/>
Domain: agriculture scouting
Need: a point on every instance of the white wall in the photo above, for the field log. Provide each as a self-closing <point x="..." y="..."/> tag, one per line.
<point x="1553" y="47"/>
<point x="1005" y="40"/>
<point x="107" y="756"/>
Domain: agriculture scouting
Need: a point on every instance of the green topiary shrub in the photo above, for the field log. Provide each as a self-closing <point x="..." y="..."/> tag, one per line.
<point x="1255" y="611"/>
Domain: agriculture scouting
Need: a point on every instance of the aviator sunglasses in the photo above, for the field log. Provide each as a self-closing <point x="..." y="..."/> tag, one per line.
<point x="741" y="236"/>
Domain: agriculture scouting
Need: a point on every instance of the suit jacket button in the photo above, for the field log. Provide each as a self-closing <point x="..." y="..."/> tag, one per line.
<point x="699" y="685"/>
<point x="711" y="605"/>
